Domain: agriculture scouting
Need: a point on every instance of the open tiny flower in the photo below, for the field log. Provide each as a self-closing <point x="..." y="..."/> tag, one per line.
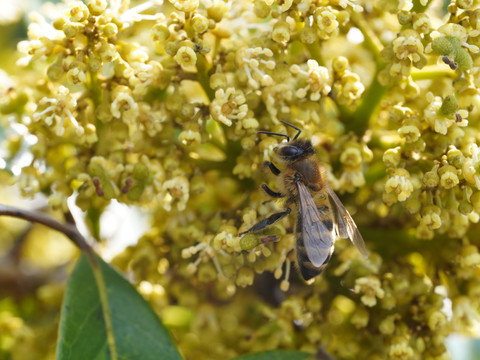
<point x="371" y="289"/>
<point x="471" y="165"/>
<point x="319" y="81"/>
<point x="326" y="22"/>
<point x="186" y="57"/>
<point x="228" y="105"/>
<point x="401" y="351"/>
<point x="399" y="184"/>
<point x="54" y="111"/>
<point x="176" y="190"/>
<point x="185" y="5"/>
<point x="408" y="46"/>
<point x="123" y="104"/>
<point x="257" y="63"/>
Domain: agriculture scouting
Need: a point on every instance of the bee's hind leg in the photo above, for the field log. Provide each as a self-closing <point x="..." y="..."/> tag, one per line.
<point x="272" y="193"/>
<point x="268" y="221"/>
<point x="275" y="171"/>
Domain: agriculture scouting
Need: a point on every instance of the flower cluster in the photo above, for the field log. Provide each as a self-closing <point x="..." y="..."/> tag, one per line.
<point x="158" y="104"/>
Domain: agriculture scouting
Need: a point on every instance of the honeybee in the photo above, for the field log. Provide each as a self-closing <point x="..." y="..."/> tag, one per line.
<point x="321" y="216"/>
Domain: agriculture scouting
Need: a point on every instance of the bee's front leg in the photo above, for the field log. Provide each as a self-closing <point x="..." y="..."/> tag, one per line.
<point x="272" y="193"/>
<point x="275" y="171"/>
<point x="267" y="222"/>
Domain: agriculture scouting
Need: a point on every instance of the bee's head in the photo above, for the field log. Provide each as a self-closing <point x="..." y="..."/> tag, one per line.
<point x="294" y="150"/>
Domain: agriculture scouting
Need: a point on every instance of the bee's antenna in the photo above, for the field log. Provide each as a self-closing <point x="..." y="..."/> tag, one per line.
<point x="292" y="126"/>
<point x="272" y="133"/>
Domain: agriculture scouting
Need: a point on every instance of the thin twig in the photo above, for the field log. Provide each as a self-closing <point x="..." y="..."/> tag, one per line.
<point x="68" y="229"/>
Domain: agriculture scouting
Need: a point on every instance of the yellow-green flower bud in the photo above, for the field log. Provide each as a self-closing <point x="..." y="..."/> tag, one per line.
<point x="340" y="64"/>
<point x="464" y="4"/>
<point x="431" y="178"/>
<point x="96" y="7"/>
<point x="413" y="204"/>
<point x="141" y="172"/>
<point x="387" y="326"/>
<point x="455" y="157"/>
<point x="392" y="157"/>
<point x="110" y="30"/>
<point x="475" y="201"/>
<point x="70" y="30"/>
<point x="308" y="35"/>
<point x="360" y="318"/>
<point x="186" y="57"/>
<point x="465" y="207"/>
<point x="448" y="176"/>
<point x="135" y="192"/>
<point x="206" y="272"/>
<point x="261" y="9"/>
<point x="160" y="33"/>
<point x="200" y="23"/>
<point x="281" y="32"/>
<point x="217" y="11"/>
<point x="59" y="23"/>
<point x="404" y="17"/>
<point x="410" y="133"/>
<point x="245" y="277"/>
<point x="78" y="12"/>
<point x="185" y="5"/>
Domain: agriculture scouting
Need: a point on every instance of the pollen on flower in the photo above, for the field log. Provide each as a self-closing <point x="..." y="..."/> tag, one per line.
<point x="228" y="105"/>
<point x="186" y="57"/>
<point x="399" y="184"/>
<point x="370" y="289"/>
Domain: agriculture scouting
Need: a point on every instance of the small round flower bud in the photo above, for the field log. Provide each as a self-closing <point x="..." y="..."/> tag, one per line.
<point x="261" y="9"/>
<point x="110" y="30"/>
<point x="216" y="11"/>
<point x="245" y="277"/>
<point x="160" y="33"/>
<point x="410" y="133"/>
<point x="308" y="35"/>
<point x="70" y="30"/>
<point x="78" y="12"/>
<point x="199" y="23"/>
<point x="392" y="157"/>
<point x="464" y="4"/>
<point x="96" y="7"/>
<point x="281" y="32"/>
<point x="455" y="157"/>
<point x="339" y="65"/>
<point x="475" y="201"/>
<point x="404" y="17"/>
<point x="55" y="72"/>
<point x="431" y="178"/>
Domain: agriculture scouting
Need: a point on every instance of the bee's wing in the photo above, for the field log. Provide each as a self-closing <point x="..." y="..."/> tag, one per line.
<point x="317" y="239"/>
<point x="346" y="226"/>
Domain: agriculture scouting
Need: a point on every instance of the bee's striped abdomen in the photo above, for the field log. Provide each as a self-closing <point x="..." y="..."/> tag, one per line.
<point x="307" y="269"/>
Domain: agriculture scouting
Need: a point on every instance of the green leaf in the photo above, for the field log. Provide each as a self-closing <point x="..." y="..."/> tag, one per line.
<point x="137" y="331"/>
<point x="276" y="355"/>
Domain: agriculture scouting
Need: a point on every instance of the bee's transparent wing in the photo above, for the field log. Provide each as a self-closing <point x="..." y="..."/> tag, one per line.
<point x="317" y="239"/>
<point x="346" y="226"/>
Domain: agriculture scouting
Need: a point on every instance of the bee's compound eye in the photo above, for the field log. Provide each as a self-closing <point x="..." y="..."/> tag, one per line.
<point x="291" y="151"/>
